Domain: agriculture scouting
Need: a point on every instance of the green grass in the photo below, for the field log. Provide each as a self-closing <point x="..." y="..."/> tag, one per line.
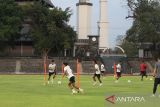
<point x="29" y="91"/>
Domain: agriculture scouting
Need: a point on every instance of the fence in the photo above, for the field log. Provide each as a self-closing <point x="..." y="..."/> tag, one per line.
<point x="35" y="65"/>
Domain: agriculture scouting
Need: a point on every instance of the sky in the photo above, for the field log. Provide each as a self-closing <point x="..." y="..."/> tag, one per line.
<point x="116" y="12"/>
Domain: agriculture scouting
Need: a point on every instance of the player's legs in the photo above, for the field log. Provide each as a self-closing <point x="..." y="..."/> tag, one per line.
<point x="145" y="74"/>
<point x="73" y="86"/>
<point x="99" y="78"/>
<point x="72" y="80"/>
<point x="118" y="75"/>
<point x="49" y="76"/>
<point x="142" y="74"/>
<point x="54" y="75"/>
<point x="94" y="79"/>
<point x="102" y="74"/>
<point x="70" y="85"/>
<point x="156" y="82"/>
<point x="76" y="87"/>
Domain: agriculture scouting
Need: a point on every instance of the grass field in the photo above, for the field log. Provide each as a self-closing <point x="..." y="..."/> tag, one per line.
<point x="29" y="91"/>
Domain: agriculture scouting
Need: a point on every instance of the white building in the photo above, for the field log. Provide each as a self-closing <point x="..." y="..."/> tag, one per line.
<point x="85" y="41"/>
<point x="103" y="25"/>
<point x="83" y="19"/>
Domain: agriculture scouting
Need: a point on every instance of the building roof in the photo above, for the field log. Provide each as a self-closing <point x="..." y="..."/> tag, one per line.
<point x="48" y="2"/>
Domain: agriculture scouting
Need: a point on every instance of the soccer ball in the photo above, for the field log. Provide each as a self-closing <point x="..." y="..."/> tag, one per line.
<point x="59" y="82"/>
<point x="129" y="81"/>
<point x="151" y="79"/>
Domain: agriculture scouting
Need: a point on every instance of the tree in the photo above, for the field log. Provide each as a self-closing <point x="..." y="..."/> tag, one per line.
<point x="11" y="20"/>
<point x="146" y="24"/>
<point x="49" y="29"/>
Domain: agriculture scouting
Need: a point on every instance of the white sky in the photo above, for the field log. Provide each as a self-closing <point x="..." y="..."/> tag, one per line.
<point x="117" y="11"/>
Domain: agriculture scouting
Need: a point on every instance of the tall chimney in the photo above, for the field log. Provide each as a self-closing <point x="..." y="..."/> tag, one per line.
<point x="103" y="25"/>
<point x="83" y="19"/>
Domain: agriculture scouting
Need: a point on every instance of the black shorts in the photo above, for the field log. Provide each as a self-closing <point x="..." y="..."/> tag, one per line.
<point x="143" y="73"/>
<point x="118" y="74"/>
<point x="102" y="72"/>
<point x="157" y="81"/>
<point x="72" y="79"/>
<point x="97" y="75"/>
<point x="51" y="73"/>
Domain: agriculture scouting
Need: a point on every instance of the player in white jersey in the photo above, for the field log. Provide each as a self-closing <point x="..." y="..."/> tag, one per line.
<point x="71" y="77"/>
<point x="118" y="70"/>
<point x="52" y="70"/>
<point x="102" y="69"/>
<point x="97" y="73"/>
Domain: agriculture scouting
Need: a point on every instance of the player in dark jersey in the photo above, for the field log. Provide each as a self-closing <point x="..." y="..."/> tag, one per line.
<point x="156" y="75"/>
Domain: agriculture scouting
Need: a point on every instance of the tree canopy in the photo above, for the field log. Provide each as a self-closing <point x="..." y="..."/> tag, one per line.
<point x="146" y="24"/>
<point x="145" y="27"/>
<point x="11" y="19"/>
<point x="49" y="28"/>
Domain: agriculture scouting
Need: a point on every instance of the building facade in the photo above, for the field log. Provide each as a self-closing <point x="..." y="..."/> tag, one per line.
<point x="24" y="45"/>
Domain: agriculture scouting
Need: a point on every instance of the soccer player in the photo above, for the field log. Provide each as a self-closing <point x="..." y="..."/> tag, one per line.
<point x="52" y="71"/>
<point x="102" y="69"/>
<point x="156" y="74"/>
<point x="118" y="71"/>
<point x="97" y="74"/>
<point x="143" y="68"/>
<point x="71" y="77"/>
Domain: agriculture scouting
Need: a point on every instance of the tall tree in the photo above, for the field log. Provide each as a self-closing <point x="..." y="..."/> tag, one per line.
<point x="146" y="25"/>
<point x="50" y="31"/>
<point x="11" y="20"/>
